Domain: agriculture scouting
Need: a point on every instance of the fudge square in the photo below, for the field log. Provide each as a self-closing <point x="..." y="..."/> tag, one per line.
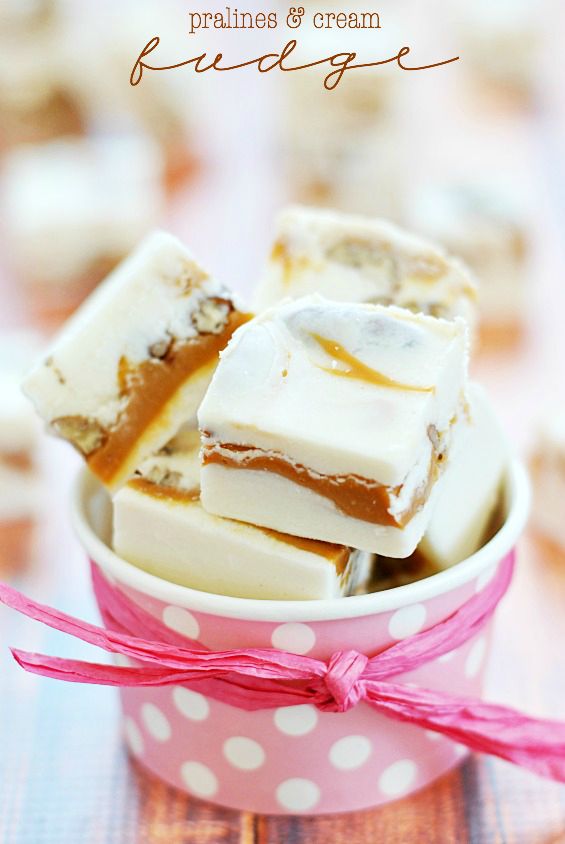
<point x="350" y="258"/>
<point x="333" y="422"/>
<point x="161" y="527"/>
<point x="73" y="208"/>
<point x="132" y="364"/>
<point x="468" y="509"/>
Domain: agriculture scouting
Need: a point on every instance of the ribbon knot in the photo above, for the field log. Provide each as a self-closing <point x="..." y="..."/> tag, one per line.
<point x="342" y="681"/>
<point x="264" y="678"/>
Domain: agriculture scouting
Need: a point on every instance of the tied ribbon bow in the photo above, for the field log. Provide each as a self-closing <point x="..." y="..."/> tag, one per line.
<point x="265" y="678"/>
<point x="343" y="682"/>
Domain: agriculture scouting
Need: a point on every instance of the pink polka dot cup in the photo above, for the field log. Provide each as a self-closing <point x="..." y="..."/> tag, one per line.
<point x="298" y="760"/>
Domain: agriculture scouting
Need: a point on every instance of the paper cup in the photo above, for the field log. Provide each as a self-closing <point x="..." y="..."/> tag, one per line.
<point x="298" y="760"/>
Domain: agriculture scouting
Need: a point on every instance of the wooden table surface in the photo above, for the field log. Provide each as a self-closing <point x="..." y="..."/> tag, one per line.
<point x="64" y="775"/>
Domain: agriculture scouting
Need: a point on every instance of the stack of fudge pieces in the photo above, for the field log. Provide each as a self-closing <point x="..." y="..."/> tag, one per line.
<point x="343" y="148"/>
<point x="48" y="91"/>
<point x="38" y="100"/>
<point x="88" y="164"/>
<point x="487" y="226"/>
<point x="299" y="454"/>
<point x="502" y="45"/>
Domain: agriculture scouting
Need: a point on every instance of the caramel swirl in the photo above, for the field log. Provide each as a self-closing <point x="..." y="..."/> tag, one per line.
<point x="355" y="368"/>
<point x="290" y="265"/>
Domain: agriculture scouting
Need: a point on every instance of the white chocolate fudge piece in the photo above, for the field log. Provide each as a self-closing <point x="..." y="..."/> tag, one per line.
<point x="360" y="175"/>
<point x="356" y="103"/>
<point x="160" y="526"/>
<point x="360" y="102"/>
<point x="487" y="227"/>
<point x="74" y="208"/>
<point x="357" y="259"/>
<point x="133" y="363"/>
<point x="20" y="488"/>
<point x="38" y="100"/>
<point x="21" y="15"/>
<point x="332" y="421"/>
<point x="501" y="44"/>
<point x="471" y="489"/>
<point x="162" y="104"/>
<point x="547" y="468"/>
<point x="342" y="147"/>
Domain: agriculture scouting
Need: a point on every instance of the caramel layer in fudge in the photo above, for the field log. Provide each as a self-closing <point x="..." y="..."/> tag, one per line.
<point x="333" y="421"/>
<point x="161" y="526"/>
<point x="134" y="362"/>
<point x="354" y="496"/>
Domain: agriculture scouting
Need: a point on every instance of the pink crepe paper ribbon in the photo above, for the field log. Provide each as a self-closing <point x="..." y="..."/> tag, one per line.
<point x="265" y="678"/>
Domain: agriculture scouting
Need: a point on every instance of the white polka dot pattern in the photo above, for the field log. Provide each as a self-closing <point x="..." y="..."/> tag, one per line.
<point x="485" y="578"/>
<point x="475" y="658"/>
<point x="134" y="738"/>
<point x="297" y="794"/>
<point x="181" y="621"/>
<point x="297" y="759"/>
<point x="407" y="621"/>
<point x="296" y="720"/>
<point x="350" y="752"/>
<point x="191" y="704"/>
<point x="447" y="657"/>
<point x="244" y="753"/>
<point x="199" y="779"/>
<point x="398" y="778"/>
<point x="155" y="722"/>
<point x="297" y="638"/>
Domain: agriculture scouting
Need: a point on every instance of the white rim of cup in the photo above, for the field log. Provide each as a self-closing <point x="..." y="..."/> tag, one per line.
<point x="253" y="609"/>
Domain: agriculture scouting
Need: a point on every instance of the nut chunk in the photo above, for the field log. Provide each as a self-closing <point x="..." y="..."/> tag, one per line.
<point x="133" y="363"/>
<point x="350" y="258"/>
<point x="333" y="422"/>
<point x="487" y="225"/>
<point x="161" y="526"/>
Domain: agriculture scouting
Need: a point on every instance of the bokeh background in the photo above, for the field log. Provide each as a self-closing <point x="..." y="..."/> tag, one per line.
<point x="472" y="154"/>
